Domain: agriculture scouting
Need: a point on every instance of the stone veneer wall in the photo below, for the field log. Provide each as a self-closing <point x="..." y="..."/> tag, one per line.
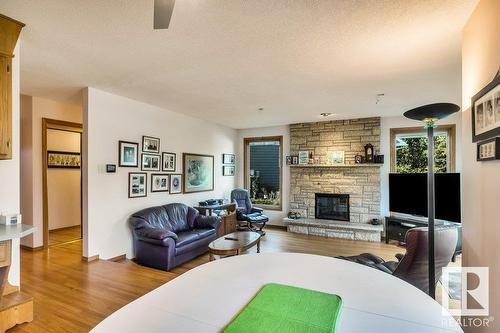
<point x="361" y="183"/>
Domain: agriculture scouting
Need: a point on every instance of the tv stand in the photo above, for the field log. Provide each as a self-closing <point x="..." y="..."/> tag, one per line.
<point x="396" y="228"/>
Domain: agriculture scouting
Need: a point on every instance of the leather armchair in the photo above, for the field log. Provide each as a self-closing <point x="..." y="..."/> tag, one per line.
<point x="246" y="212"/>
<point x="167" y="236"/>
<point x="413" y="265"/>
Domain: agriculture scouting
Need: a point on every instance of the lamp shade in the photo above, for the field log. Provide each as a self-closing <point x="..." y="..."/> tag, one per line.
<point x="432" y="111"/>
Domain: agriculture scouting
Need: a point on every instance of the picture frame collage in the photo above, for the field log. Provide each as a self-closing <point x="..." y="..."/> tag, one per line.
<point x="151" y="160"/>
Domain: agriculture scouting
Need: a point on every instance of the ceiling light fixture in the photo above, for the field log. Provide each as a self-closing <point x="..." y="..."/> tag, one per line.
<point x="326" y="114"/>
<point x="379" y="97"/>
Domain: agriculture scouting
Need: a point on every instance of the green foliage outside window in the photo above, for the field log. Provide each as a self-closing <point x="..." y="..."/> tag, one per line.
<point x="411" y="154"/>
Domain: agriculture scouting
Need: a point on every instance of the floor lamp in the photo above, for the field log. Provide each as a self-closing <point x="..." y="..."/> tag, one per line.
<point x="429" y="115"/>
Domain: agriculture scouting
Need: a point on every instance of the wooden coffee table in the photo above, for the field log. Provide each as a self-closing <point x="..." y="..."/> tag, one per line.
<point x="234" y="244"/>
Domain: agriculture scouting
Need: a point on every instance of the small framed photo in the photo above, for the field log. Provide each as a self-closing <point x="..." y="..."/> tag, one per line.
<point x="175" y="184"/>
<point x="488" y="150"/>
<point x="288" y="160"/>
<point x="128" y="154"/>
<point x="335" y="157"/>
<point x="228" y="170"/>
<point x="169" y="162"/>
<point x="228" y="158"/>
<point x="150" y="162"/>
<point x="63" y="159"/>
<point x="150" y="145"/>
<point x="159" y="182"/>
<point x="137" y="184"/>
<point x="303" y="157"/>
<point x="295" y="160"/>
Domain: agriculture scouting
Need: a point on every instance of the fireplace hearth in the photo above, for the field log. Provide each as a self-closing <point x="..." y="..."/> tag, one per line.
<point x="329" y="206"/>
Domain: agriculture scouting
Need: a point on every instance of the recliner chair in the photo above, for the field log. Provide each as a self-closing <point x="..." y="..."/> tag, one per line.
<point x="247" y="213"/>
<point x="413" y="266"/>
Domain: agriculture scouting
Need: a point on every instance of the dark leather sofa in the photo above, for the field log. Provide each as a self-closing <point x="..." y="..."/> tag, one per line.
<point x="168" y="236"/>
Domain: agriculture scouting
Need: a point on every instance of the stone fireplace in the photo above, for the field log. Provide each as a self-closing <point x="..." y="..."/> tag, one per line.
<point x="333" y="216"/>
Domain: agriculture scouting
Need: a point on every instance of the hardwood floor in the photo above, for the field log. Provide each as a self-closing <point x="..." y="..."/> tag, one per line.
<point x="74" y="296"/>
<point x="64" y="235"/>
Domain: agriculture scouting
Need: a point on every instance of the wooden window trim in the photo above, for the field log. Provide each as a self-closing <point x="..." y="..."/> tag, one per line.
<point x="246" y="166"/>
<point x="450" y="129"/>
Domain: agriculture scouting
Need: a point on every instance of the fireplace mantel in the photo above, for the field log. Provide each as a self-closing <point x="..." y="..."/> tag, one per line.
<point x="329" y="166"/>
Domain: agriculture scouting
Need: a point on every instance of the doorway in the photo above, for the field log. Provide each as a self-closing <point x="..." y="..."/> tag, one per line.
<point x="62" y="182"/>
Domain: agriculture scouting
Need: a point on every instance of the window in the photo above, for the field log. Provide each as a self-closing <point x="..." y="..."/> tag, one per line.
<point x="263" y="168"/>
<point x="409" y="149"/>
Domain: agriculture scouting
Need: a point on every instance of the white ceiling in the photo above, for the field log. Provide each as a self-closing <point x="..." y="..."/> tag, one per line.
<point x="222" y="60"/>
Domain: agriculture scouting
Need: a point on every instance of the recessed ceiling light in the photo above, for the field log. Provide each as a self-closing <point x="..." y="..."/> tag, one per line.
<point x="260" y="109"/>
<point x="326" y="114"/>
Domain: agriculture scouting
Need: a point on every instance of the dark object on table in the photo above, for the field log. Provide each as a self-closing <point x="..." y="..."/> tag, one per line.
<point x="412" y="266"/>
<point x="247" y="213"/>
<point x="369" y="153"/>
<point x="294" y="215"/>
<point x="379" y="159"/>
<point x="358" y="159"/>
<point x="168" y="236"/>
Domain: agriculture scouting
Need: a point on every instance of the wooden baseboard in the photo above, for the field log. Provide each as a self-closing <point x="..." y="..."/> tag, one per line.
<point x="118" y="258"/>
<point x="90" y="259"/>
<point x="63" y="228"/>
<point x="278" y="227"/>
<point x="32" y="249"/>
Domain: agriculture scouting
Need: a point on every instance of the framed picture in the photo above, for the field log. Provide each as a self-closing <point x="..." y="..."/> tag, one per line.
<point x="335" y="157"/>
<point x="228" y="170"/>
<point x="175" y="184"/>
<point x="150" y="162"/>
<point x="150" y="145"/>
<point x="62" y="159"/>
<point x="228" y="158"/>
<point x="168" y="162"/>
<point x="198" y="171"/>
<point x="159" y="182"/>
<point x="485" y="112"/>
<point x="128" y="154"/>
<point x="137" y="184"/>
<point x="489" y="150"/>
<point x="303" y="157"/>
<point x="295" y="160"/>
<point x="288" y="160"/>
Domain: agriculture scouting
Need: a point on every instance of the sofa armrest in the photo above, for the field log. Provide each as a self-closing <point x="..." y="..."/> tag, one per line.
<point x="206" y="222"/>
<point x="257" y="210"/>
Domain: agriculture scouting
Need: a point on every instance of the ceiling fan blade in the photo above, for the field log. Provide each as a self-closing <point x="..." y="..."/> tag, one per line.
<point x="162" y="13"/>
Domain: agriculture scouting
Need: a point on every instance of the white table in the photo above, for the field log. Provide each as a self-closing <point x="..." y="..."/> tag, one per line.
<point x="205" y="299"/>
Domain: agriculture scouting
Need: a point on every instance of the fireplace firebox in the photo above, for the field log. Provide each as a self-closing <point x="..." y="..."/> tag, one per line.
<point x="331" y="206"/>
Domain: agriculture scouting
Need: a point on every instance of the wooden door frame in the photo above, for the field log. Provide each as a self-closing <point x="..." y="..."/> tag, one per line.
<point x="246" y="162"/>
<point x="60" y="125"/>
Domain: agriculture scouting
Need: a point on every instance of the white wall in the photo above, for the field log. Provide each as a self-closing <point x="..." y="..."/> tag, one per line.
<point x="9" y="169"/>
<point x="275" y="217"/>
<point x="109" y="118"/>
<point x="481" y="191"/>
<point x="386" y="124"/>
<point x="33" y="109"/>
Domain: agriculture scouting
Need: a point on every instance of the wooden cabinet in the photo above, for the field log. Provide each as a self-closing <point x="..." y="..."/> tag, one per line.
<point x="9" y="33"/>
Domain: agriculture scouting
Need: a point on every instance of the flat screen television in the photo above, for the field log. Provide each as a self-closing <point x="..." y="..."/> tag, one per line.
<point x="408" y="195"/>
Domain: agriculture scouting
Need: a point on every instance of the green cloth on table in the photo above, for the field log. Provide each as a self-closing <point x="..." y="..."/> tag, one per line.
<point x="278" y="308"/>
